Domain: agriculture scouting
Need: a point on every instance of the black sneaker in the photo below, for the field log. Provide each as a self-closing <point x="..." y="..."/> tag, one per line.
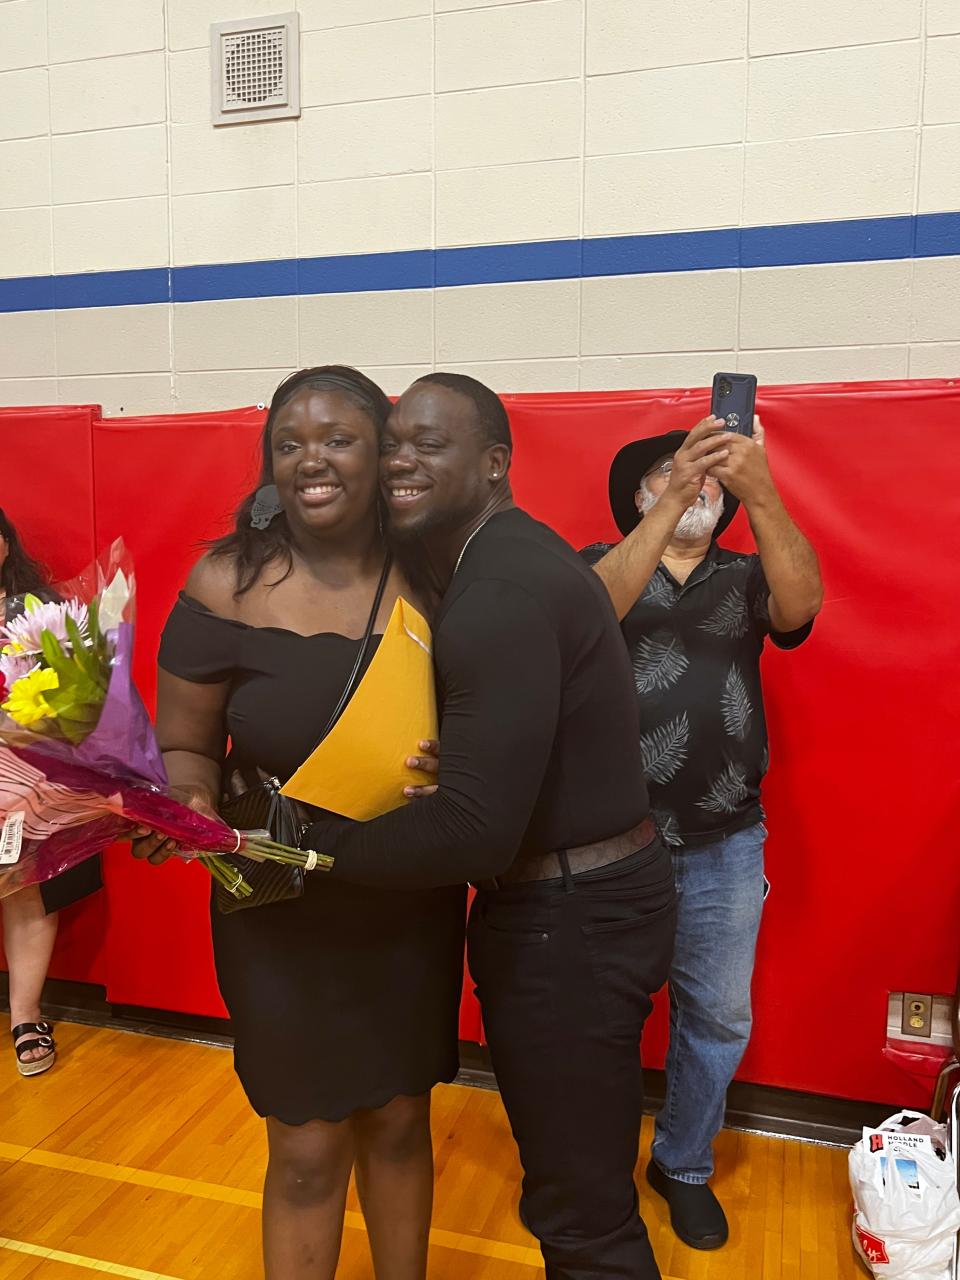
<point x="696" y="1214"/>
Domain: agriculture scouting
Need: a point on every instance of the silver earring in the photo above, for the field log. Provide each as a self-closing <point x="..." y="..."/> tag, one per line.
<point x="266" y="506"/>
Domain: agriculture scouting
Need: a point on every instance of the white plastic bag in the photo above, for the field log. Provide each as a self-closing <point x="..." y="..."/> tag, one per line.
<point x="907" y="1210"/>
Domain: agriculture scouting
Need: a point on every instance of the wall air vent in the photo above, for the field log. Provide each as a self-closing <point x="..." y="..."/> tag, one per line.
<point x="255" y="69"/>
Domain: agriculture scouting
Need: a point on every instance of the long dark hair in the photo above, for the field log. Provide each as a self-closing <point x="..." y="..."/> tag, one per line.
<point x="20" y="572"/>
<point x="253" y="549"/>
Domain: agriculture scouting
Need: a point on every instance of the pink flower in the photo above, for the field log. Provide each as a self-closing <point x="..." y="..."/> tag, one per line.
<point x="15" y="665"/>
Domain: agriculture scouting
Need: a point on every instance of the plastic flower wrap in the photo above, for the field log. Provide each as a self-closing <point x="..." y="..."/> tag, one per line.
<point x="79" y="762"/>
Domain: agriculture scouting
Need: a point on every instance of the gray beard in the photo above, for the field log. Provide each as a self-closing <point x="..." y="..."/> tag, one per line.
<point x="698" y="521"/>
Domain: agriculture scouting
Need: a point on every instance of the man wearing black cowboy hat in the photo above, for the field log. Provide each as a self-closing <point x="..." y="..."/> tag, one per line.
<point x="695" y="618"/>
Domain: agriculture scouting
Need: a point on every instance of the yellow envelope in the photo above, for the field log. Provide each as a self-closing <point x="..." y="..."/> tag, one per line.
<point x="358" y="770"/>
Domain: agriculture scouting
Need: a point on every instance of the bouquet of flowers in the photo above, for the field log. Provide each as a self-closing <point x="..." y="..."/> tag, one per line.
<point x="79" y="762"/>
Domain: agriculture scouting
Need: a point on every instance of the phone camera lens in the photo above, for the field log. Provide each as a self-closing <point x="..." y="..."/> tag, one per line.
<point x="725" y="387"/>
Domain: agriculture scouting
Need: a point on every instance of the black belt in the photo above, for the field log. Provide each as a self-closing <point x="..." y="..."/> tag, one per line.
<point x="587" y="857"/>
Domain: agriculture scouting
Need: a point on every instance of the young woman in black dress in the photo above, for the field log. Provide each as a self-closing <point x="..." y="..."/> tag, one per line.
<point x="30" y="916"/>
<point x="343" y="1002"/>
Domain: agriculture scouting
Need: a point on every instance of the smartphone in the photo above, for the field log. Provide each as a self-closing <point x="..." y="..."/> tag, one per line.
<point x="734" y="399"/>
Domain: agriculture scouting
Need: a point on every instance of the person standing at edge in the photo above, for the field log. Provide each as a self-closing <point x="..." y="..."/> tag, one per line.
<point x="695" y="618"/>
<point x="542" y="804"/>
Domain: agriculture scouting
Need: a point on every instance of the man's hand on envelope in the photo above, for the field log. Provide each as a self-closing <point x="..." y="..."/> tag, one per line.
<point x="429" y="762"/>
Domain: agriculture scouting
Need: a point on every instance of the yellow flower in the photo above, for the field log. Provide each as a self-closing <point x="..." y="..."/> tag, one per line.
<point x="25" y="702"/>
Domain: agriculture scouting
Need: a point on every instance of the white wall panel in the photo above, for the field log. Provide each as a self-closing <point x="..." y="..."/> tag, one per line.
<point x="235" y="226"/>
<point x="23" y="34"/>
<point x="29" y="391"/>
<point x="509" y="126"/>
<point x="394" y="328"/>
<point x="27" y="343"/>
<point x="507" y="203"/>
<point x="111" y="236"/>
<point x="346" y="13"/>
<point x="870" y="175"/>
<point x="24" y="103"/>
<point x="26" y="242"/>
<point x="834" y="91"/>
<point x="366" y="215"/>
<point x="627" y="35"/>
<point x="208" y="159"/>
<point x="120" y="395"/>
<point x="688" y="311"/>
<point x="941" y="100"/>
<point x="366" y="139"/>
<point x="113" y="340"/>
<point x="236" y="333"/>
<point x="101" y="28"/>
<point x="510" y="44"/>
<point x="508" y="321"/>
<point x="665" y="108"/>
<point x="25" y="166"/>
<point x="784" y="26"/>
<point x="108" y="94"/>
<point x="377" y="60"/>
<point x="688" y="190"/>
<point x="842" y="304"/>
<point x="110" y="164"/>
<point x="940" y="169"/>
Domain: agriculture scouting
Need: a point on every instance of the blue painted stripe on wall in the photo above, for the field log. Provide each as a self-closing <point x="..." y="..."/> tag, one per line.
<point x="510" y="263"/>
<point x="865" y="240"/>
<point x="111" y="288"/>
<point x="938" y="235"/>
<point x="671" y="251"/>
<point x="235" y="280"/>
<point x="368" y="272"/>
<point x="794" y="244"/>
<point x="27" y="293"/>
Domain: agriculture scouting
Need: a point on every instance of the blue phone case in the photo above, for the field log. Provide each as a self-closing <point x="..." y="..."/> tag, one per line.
<point x="734" y="399"/>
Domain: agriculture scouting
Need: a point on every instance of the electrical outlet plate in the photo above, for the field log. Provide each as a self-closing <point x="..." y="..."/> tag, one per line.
<point x="940" y="1018"/>
<point x="916" y="1018"/>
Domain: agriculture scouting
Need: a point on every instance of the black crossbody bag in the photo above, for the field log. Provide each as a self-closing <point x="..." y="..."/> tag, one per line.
<point x="262" y="807"/>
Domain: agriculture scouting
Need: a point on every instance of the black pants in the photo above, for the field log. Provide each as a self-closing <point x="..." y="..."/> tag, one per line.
<point x="564" y="972"/>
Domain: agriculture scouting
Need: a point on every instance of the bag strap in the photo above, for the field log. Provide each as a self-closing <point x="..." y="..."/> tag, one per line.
<point x="250" y="775"/>
<point x="353" y="677"/>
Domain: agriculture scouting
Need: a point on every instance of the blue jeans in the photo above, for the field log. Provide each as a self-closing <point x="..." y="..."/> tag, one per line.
<point x="720" y="891"/>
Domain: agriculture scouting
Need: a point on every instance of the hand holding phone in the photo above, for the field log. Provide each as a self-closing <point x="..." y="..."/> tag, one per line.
<point x="734" y="401"/>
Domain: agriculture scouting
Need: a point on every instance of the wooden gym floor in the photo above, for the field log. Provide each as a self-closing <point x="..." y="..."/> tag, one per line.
<point x="138" y="1157"/>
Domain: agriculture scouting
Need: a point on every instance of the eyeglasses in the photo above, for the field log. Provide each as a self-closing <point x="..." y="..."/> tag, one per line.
<point x="665" y="468"/>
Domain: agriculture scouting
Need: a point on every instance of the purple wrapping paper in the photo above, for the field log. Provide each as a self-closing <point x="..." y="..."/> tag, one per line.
<point x="123" y="744"/>
<point x="120" y="761"/>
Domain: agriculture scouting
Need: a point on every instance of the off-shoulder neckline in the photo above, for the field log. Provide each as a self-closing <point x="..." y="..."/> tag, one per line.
<point x="198" y="606"/>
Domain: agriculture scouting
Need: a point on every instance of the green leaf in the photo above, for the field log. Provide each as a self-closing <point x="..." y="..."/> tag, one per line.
<point x="98" y="648"/>
<point x="53" y="652"/>
<point x="93" y="621"/>
<point x="84" y="660"/>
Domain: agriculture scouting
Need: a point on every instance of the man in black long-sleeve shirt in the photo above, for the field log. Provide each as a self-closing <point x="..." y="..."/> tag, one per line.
<point x="542" y="803"/>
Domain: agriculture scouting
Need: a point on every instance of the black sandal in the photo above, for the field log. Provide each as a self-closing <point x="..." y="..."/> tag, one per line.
<point x="43" y="1039"/>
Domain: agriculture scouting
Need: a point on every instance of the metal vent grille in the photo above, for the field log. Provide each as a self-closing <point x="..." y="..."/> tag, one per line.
<point x="255" y="67"/>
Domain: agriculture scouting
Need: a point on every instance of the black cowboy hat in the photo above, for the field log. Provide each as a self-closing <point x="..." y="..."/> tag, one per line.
<point x="630" y="466"/>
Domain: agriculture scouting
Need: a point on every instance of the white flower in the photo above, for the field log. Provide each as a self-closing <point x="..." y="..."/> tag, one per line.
<point x="21" y="635"/>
